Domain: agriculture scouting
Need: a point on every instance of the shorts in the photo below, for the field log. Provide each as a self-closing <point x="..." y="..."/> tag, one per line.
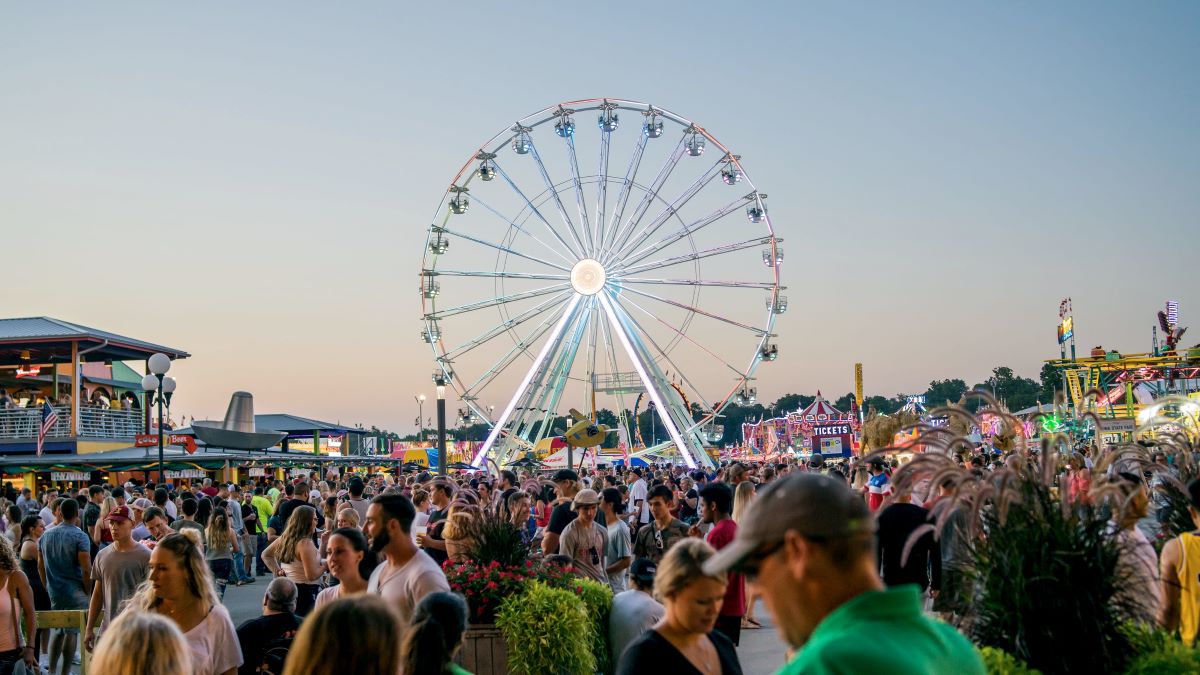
<point x="74" y="598"/>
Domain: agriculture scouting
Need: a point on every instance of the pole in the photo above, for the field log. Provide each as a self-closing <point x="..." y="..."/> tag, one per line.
<point x="162" y="476"/>
<point x="441" y="432"/>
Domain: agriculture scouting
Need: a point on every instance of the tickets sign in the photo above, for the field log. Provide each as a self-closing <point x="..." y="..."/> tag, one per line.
<point x="831" y="430"/>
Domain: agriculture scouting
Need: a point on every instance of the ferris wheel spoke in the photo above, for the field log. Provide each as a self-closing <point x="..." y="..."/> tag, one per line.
<point x="670" y="210"/>
<point x="499" y="275"/>
<point x="646" y="368"/>
<point x="505" y="249"/>
<point x="513" y="322"/>
<point x="493" y="302"/>
<point x="553" y="191"/>
<point x="511" y="355"/>
<point x="551" y="344"/>
<point x="524" y="231"/>
<point x="691" y="308"/>
<point x="611" y="352"/>
<point x="688" y="230"/>
<point x="663" y="353"/>
<point x="601" y="193"/>
<point x="699" y="282"/>
<point x="626" y="188"/>
<point x="697" y="255"/>
<point x="685" y="336"/>
<point x="626" y="229"/>
<point x="580" y="201"/>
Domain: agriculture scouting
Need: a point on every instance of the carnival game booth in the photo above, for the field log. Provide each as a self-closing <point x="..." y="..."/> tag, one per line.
<point x="818" y="428"/>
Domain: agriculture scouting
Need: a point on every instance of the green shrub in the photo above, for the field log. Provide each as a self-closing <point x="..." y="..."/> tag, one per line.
<point x="548" y="631"/>
<point x="1000" y="662"/>
<point x="597" y="597"/>
<point x="1170" y="659"/>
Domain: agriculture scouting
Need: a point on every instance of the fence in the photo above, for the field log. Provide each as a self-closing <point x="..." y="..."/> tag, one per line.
<point x="24" y="423"/>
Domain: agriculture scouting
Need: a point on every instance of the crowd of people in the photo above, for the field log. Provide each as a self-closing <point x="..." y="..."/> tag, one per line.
<point x="352" y="568"/>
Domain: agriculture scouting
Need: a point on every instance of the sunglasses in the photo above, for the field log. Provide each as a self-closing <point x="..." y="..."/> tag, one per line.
<point x="751" y="565"/>
<point x="595" y="555"/>
<point x="658" y="539"/>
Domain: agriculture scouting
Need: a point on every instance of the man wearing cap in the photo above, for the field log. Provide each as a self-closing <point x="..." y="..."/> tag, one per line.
<point x="585" y="540"/>
<point x="634" y="611"/>
<point x="136" y="509"/>
<point x="807" y="543"/>
<point x="566" y="485"/>
<point x="119" y="569"/>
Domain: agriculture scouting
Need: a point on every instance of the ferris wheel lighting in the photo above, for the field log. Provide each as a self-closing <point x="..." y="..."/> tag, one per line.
<point x="565" y="126"/>
<point x="587" y="277"/>
<point x="566" y="317"/>
<point x="646" y="381"/>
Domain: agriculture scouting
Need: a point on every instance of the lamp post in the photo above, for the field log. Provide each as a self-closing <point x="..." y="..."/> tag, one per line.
<point x="440" y="381"/>
<point x="156" y="382"/>
<point x="420" y="399"/>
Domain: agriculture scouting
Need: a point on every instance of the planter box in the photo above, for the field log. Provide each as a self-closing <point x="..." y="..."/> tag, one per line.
<point x="484" y="651"/>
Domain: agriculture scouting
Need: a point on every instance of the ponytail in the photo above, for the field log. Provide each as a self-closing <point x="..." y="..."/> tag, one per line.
<point x="424" y="649"/>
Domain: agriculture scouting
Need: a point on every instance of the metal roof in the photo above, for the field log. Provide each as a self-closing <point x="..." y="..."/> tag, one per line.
<point x="297" y="424"/>
<point x="49" y="339"/>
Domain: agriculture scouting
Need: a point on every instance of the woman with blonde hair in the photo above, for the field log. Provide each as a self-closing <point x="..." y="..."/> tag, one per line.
<point x="684" y="640"/>
<point x="180" y="588"/>
<point x="346" y="517"/>
<point x="295" y="556"/>
<point x="142" y="644"/>
<point x="348" y="635"/>
<point x="741" y="499"/>
<point x="462" y="519"/>
<point x="100" y="532"/>
<point x="12" y="647"/>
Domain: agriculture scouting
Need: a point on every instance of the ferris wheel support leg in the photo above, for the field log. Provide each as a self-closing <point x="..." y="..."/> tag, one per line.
<point x="553" y="340"/>
<point x="660" y="403"/>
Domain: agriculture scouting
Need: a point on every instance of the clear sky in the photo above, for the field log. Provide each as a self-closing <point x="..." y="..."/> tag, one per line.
<point x="252" y="182"/>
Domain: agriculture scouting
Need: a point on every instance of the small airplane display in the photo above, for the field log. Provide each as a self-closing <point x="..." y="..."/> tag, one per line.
<point x="584" y="433"/>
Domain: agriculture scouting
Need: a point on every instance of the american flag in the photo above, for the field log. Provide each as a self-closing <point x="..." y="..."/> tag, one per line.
<point x="49" y="419"/>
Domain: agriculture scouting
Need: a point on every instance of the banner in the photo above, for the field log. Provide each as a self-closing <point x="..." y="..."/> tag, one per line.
<point x="68" y="475"/>
<point x="257" y="472"/>
<point x="187" y="473"/>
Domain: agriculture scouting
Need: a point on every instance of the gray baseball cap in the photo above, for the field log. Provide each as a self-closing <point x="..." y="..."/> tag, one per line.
<point x="811" y="504"/>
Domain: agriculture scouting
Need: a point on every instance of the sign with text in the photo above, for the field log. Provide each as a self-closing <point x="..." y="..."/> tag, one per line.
<point x="1118" y="424"/>
<point x="831" y="430"/>
<point x="257" y="472"/>
<point x="68" y="475"/>
<point x="1066" y="329"/>
<point x="187" y="473"/>
<point x="151" y="440"/>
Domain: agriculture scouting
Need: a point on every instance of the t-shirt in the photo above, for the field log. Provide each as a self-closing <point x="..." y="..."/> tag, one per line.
<point x="60" y="547"/>
<point x="633" y="612"/>
<point x="735" y="592"/>
<point x="214" y="643"/>
<point x="686" y="512"/>
<point x="290" y="505"/>
<point x="273" y="494"/>
<point x="619" y="547"/>
<point x="328" y="595"/>
<point x="47" y="516"/>
<point x="249" y="518"/>
<point x="171" y="509"/>
<point x="587" y="547"/>
<point x="878" y="487"/>
<point x="560" y="517"/>
<point x="648" y="538"/>
<point x="180" y="525"/>
<point x="120" y="573"/>
<point x="360" y="505"/>
<point x="264" y="509"/>
<point x="403" y="588"/>
<point x="653" y="654"/>
<point x="256" y="635"/>
<point x="436" y="516"/>
<point x="903" y="641"/>
<point x="895" y="525"/>
<point x="638" y="492"/>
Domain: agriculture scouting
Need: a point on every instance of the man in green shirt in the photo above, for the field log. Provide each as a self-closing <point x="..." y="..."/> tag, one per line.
<point x="807" y="543"/>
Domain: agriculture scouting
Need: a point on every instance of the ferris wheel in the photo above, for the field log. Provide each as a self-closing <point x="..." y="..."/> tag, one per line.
<point x="545" y="286"/>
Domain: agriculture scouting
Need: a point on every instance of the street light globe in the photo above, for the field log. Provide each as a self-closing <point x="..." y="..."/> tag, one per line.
<point x="421" y="397"/>
<point x="159" y="363"/>
<point x="150" y="382"/>
<point x="168" y="385"/>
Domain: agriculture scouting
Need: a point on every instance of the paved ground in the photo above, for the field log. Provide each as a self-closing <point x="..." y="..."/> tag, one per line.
<point x="761" y="653"/>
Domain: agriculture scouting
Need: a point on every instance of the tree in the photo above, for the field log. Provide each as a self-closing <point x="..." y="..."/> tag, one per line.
<point x="791" y="403"/>
<point x="843" y="402"/>
<point x="940" y="391"/>
<point x="1015" y="392"/>
<point x="1051" y="382"/>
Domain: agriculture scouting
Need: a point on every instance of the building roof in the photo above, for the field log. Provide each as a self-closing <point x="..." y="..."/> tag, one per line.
<point x="48" y="340"/>
<point x="296" y="424"/>
<point x="820" y="410"/>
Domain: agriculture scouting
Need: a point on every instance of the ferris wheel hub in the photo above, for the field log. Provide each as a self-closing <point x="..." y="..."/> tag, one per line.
<point x="588" y="277"/>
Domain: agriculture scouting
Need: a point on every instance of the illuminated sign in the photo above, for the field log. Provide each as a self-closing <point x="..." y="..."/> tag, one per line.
<point x="831" y="430"/>
<point x="151" y="440"/>
<point x="257" y="471"/>
<point x="68" y="475"/>
<point x="30" y="371"/>
<point x="187" y="473"/>
<point x="1066" y="329"/>
<point x="916" y="400"/>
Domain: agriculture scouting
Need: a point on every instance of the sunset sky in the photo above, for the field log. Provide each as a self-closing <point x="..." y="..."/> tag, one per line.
<point x="252" y="182"/>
